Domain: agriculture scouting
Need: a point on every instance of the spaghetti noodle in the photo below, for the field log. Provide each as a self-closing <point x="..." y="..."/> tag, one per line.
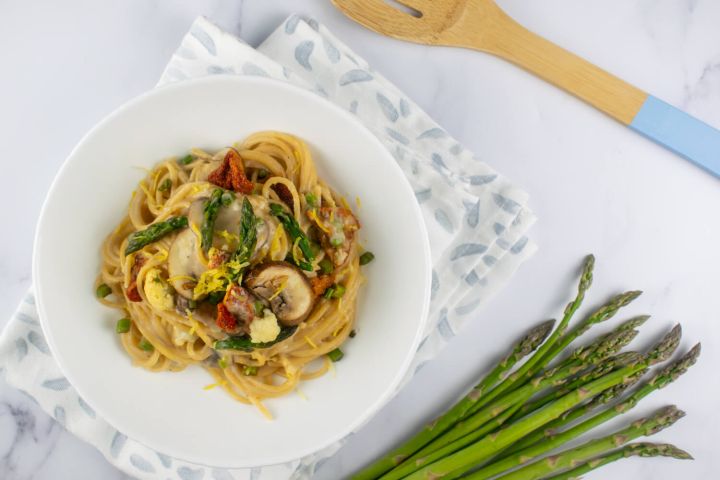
<point x="242" y="261"/>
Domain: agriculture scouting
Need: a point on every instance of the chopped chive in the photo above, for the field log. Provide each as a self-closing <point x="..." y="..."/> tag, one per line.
<point x="222" y="363"/>
<point x="326" y="266"/>
<point x="339" y="291"/>
<point x="103" y="290"/>
<point x="259" y="307"/>
<point x="165" y="185"/>
<point x="329" y="293"/>
<point x="336" y="355"/>
<point x="262" y="173"/>
<point x="353" y="333"/>
<point x="311" y="199"/>
<point x="122" y="325"/>
<point x="366" y="258"/>
<point x="250" y="371"/>
<point x="187" y="159"/>
<point x="146" y="345"/>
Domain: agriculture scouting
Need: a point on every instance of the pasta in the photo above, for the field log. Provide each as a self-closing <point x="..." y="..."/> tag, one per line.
<point x="242" y="261"/>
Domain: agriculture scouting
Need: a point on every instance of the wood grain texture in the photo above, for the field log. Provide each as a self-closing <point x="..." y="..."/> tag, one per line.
<point x="483" y="26"/>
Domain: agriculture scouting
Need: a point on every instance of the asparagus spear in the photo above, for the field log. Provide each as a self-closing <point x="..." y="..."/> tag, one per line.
<point x="631" y="450"/>
<point x="553" y="440"/>
<point x="535" y="363"/>
<point x="153" y="233"/>
<point x="475" y="427"/>
<point x="248" y="232"/>
<point x="568" y="458"/>
<point x="293" y="229"/>
<point x="520" y="350"/>
<point x="246" y="344"/>
<point x="459" y="462"/>
<point x="617" y="339"/>
<point x="210" y="213"/>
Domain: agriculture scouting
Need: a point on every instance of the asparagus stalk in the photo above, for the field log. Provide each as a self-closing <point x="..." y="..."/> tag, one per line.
<point x="615" y="340"/>
<point x="521" y="349"/>
<point x="459" y="462"/>
<point x="533" y="365"/>
<point x="466" y="431"/>
<point x="631" y="450"/>
<point x="570" y="416"/>
<point x="553" y="440"/>
<point x="568" y="458"/>
<point x="153" y="233"/>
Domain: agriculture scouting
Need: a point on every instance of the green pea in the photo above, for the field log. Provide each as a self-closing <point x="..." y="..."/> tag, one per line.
<point x="336" y="355"/>
<point x="123" y="325"/>
<point x="103" y="290"/>
<point x="146" y="345"/>
<point x="366" y="258"/>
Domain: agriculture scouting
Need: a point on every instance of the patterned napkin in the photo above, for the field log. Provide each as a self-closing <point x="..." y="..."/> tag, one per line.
<point x="475" y="218"/>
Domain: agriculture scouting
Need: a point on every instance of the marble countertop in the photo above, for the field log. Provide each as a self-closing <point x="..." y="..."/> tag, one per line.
<point x="650" y="217"/>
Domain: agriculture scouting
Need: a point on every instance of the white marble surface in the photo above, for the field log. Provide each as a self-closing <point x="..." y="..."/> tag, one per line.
<point x="650" y="217"/>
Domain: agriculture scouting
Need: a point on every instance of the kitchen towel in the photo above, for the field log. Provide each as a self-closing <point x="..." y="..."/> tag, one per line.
<point x="476" y="219"/>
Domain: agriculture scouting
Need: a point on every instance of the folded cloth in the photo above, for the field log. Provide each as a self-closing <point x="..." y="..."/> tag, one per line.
<point x="476" y="221"/>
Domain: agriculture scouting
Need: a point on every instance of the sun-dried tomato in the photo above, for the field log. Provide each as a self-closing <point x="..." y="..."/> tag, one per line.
<point x="283" y="192"/>
<point x="321" y="283"/>
<point x="132" y="292"/>
<point x="230" y="175"/>
<point x="225" y="320"/>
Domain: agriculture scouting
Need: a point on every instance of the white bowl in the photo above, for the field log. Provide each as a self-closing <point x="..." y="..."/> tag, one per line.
<point x="170" y="412"/>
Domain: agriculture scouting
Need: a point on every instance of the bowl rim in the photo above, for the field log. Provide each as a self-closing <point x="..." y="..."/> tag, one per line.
<point x="240" y="80"/>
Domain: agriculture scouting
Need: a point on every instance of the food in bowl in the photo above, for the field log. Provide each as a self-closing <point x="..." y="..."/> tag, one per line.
<point x="242" y="261"/>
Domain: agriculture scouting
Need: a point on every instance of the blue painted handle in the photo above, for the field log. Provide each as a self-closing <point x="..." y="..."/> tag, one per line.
<point x="685" y="135"/>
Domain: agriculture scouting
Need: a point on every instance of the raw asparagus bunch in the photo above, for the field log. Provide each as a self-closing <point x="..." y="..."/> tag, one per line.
<point x="521" y="410"/>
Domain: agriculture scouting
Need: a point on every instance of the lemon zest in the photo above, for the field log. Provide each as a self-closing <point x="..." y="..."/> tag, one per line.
<point x="283" y="284"/>
<point x="296" y="254"/>
<point x="313" y="216"/>
<point x="275" y="243"/>
<point x="217" y="278"/>
<point x="301" y="394"/>
<point x="181" y="277"/>
<point x="358" y="202"/>
<point x="221" y="383"/>
<point x="228" y="237"/>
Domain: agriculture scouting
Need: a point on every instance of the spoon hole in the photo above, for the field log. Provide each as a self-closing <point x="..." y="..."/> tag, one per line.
<point x="404" y="8"/>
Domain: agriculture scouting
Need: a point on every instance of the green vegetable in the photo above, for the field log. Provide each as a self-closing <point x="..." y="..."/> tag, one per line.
<point x="186" y="160"/>
<point x="259" y="307"/>
<point x="250" y="371"/>
<point x="146" y="345"/>
<point x="192" y="304"/>
<point x="248" y="232"/>
<point x="339" y="291"/>
<point x="337" y="240"/>
<point x="366" y="258"/>
<point x="462" y="460"/>
<point x="103" y="290"/>
<point x="210" y="213"/>
<point x="643" y="449"/>
<point x="329" y="292"/>
<point x="508" y="424"/>
<point x="521" y="349"/>
<point x="293" y="229"/>
<point x="216" y="297"/>
<point x="123" y="325"/>
<point x="246" y="345"/>
<point x="222" y="363"/>
<point x="353" y="333"/>
<point x="336" y="355"/>
<point x="326" y="266"/>
<point x="311" y="200"/>
<point x="262" y="173"/>
<point x="165" y="185"/>
<point x="569" y="458"/>
<point x="551" y="440"/>
<point x="227" y="198"/>
<point x="153" y="233"/>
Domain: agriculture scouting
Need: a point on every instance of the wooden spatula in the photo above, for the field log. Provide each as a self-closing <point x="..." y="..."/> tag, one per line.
<point x="482" y="25"/>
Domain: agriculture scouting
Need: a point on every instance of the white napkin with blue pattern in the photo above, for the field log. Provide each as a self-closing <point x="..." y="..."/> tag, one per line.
<point x="476" y="220"/>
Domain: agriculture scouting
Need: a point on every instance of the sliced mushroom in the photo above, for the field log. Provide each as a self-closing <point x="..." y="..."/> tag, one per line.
<point x="286" y="288"/>
<point x="338" y="233"/>
<point x="184" y="265"/>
